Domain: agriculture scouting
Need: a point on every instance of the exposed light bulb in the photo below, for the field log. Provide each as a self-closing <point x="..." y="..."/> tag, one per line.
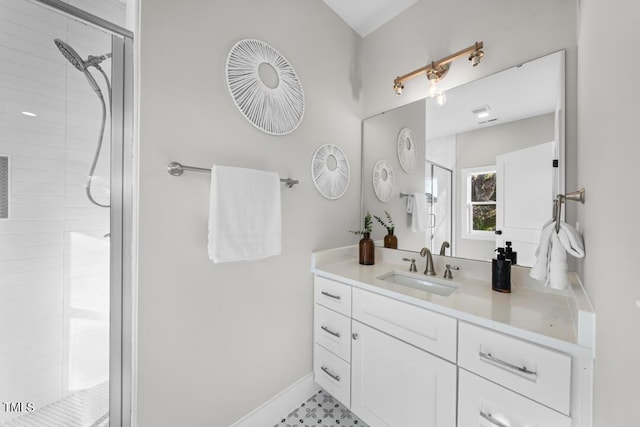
<point x="483" y="115"/>
<point x="29" y="113"/>
<point x="441" y="99"/>
<point x="398" y="86"/>
<point x="433" y="88"/>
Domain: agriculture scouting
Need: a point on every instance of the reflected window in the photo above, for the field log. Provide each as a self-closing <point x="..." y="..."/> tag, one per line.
<point x="480" y="201"/>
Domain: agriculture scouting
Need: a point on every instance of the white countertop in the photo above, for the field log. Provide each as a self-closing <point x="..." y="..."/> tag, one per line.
<point x="547" y="318"/>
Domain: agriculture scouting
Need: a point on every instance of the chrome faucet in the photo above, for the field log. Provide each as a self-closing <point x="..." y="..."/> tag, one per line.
<point x="428" y="268"/>
<point x="412" y="267"/>
<point x="444" y="246"/>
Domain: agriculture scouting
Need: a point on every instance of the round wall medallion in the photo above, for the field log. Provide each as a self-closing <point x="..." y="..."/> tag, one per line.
<point x="330" y="171"/>
<point x="383" y="180"/>
<point x="265" y="87"/>
<point x="407" y="150"/>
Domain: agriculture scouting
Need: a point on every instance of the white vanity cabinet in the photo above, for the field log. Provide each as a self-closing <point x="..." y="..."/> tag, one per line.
<point x="396" y="364"/>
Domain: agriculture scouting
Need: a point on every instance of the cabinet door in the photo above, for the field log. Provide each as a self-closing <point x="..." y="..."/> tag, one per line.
<point x="397" y="385"/>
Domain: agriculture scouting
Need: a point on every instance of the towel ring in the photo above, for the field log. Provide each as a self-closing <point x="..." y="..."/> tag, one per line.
<point x="557" y="211"/>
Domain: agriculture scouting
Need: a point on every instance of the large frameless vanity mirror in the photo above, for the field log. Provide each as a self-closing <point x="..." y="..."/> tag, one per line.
<point x="489" y="162"/>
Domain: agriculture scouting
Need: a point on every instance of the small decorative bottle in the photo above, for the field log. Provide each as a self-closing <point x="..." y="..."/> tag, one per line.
<point x="367" y="250"/>
<point x="390" y="240"/>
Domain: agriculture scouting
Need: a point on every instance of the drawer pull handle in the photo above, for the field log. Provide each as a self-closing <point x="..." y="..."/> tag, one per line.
<point x="520" y="369"/>
<point x="326" y="371"/>
<point x="327" y="294"/>
<point x="492" y="420"/>
<point x="329" y="331"/>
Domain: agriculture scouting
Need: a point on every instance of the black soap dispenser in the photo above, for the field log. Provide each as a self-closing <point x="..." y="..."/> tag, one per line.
<point x="501" y="272"/>
<point x="510" y="254"/>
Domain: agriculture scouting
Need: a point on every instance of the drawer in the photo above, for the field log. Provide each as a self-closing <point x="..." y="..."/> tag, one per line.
<point x="332" y="331"/>
<point x="540" y="373"/>
<point x="425" y="329"/>
<point x="333" y="295"/>
<point x="483" y="403"/>
<point x="332" y="374"/>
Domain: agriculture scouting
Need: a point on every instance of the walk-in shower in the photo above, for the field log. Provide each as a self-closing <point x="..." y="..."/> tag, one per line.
<point x="83" y="65"/>
<point x="65" y="185"/>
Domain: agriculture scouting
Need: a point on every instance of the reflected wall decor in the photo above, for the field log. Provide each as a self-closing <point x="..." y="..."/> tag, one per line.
<point x="265" y="87"/>
<point x="383" y="180"/>
<point x="407" y="150"/>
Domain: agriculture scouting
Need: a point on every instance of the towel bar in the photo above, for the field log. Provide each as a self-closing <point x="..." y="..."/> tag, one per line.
<point x="576" y="196"/>
<point x="177" y="169"/>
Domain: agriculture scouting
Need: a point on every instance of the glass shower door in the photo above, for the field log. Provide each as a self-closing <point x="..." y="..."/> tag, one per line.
<point x="55" y="217"/>
<point x="439" y="185"/>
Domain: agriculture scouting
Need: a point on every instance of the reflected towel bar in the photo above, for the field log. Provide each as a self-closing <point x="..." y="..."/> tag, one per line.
<point x="177" y="169"/>
<point x="435" y="199"/>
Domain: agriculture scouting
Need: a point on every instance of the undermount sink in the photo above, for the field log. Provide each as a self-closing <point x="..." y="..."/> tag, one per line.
<point x="418" y="282"/>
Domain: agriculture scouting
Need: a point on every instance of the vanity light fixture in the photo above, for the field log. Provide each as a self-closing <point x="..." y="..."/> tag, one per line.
<point x="438" y="69"/>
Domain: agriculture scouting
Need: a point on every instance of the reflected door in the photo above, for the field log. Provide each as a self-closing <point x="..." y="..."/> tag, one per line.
<point x="524" y="178"/>
<point x="439" y="185"/>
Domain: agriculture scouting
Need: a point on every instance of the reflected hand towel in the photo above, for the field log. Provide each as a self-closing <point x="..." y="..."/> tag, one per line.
<point x="420" y="212"/>
<point x="245" y="221"/>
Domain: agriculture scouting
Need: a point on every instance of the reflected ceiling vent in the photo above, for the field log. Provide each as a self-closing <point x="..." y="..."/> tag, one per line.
<point x="482" y="112"/>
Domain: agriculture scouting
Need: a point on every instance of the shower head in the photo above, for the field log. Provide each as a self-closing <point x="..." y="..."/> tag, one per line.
<point x="81" y="65"/>
<point x="71" y="55"/>
<point x="76" y="60"/>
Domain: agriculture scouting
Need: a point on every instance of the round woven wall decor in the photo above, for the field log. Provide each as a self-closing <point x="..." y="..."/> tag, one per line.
<point x="265" y="87"/>
<point x="330" y="171"/>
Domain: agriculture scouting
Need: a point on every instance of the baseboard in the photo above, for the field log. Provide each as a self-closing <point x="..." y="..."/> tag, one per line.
<point x="273" y="410"/>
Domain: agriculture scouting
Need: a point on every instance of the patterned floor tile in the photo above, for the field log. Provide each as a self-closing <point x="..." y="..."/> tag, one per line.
<point x="321" y="410"/>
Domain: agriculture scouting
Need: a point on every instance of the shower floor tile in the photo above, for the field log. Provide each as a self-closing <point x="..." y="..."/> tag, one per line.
<point x="85" y="408"/>
<point x="321" y="410"/>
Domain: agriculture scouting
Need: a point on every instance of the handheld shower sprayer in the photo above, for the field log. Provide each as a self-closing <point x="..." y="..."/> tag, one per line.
<point x="83" y="66"/>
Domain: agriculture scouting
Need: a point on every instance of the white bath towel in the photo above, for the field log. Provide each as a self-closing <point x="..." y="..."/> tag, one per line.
<point x="420" y="212"/>
<point x="551" y="255"/>
<point x="245" y="221"/>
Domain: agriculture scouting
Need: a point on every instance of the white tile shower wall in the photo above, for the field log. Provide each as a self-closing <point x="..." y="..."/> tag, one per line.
<point x="54" y="260"/>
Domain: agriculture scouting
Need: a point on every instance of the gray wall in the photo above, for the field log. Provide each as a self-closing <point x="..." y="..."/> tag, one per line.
<point x="608" y="154"/>
<point x="217" y="340"/>
<point x="480" y="148"/>
<point x="380" y="137"/>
